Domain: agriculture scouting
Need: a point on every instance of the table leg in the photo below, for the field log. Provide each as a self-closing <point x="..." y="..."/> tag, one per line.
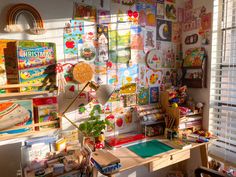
<point x="95" y="172"/>
<point x="204" y="155"/>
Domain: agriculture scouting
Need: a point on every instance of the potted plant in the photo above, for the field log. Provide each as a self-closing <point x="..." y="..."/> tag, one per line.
<point x="93" y="126"/>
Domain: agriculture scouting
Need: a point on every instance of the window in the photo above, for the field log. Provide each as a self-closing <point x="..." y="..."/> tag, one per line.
<point x="223" y="80"/>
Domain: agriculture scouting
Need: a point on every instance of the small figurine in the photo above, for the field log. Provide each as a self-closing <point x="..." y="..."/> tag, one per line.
<point x="100" y="141"/>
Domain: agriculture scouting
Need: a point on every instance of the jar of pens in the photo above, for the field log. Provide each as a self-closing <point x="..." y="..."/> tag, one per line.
<point x="170" y="130"/>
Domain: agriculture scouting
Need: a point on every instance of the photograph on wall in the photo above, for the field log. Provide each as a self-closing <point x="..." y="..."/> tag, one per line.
<point x="154" y="94"/>
<point x="164" y="30"/>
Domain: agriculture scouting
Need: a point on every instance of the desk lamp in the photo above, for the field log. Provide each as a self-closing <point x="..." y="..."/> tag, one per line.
<point x="82" y="73"/>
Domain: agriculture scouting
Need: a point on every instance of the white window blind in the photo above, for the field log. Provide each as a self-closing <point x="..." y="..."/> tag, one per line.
<point x="223" y="80"/>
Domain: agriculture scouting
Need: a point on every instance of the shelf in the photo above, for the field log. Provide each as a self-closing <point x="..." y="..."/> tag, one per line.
<point x="192" y="67"/>
<point x="23" y="94"/>
<point x="7" y="86"/>
<point x="152" y="122"/>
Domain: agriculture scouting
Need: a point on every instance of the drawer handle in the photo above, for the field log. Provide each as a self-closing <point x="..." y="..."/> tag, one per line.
<point x="171" y="157"/>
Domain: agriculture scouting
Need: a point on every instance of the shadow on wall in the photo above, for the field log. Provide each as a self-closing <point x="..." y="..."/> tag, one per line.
<point x="10" y="162"/>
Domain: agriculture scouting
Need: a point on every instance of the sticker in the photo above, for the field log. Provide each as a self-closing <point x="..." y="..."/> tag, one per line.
<point x="192" y="39"/>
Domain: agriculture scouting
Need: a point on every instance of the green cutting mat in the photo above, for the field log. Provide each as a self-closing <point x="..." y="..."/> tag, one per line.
<point x="149" y="148"/>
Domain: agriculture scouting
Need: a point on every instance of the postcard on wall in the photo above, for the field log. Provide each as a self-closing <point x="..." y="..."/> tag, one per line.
<point x="160" y="10"/>
<point x="136" y="37"/>
<point x="104" y="17"/>
<point x="84" y="12"/>
<point x="164" y="30"/>
<point x="143" y="96"/>
<point x="149" y="38"/>
<point x="70" y="46"/>
<point x="151" y="15"/>
<point x="154" y="94"/>
<point x="141" y="8"/>
<point x="168" y="53"/>
<point x="154" y="78"/>
<point x="170" y="11"/>
<point x="142" y="75"/>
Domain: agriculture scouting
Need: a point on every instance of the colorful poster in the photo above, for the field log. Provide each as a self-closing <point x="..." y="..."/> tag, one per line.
<point x="141" y="8"/>
<point x="136" y="38"/>
<point x="127" y="75"/>
<point x="164" y="30"/>
<point x="143" y="96"/>
<point x="154" y="94"/>
<point x="151" y="15"/>
<point x="149" y="38"/>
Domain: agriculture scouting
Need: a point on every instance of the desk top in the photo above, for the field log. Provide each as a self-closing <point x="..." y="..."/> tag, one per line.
<point x="129" y="159"/>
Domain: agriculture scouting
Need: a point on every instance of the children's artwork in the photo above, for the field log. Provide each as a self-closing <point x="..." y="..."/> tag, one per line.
<point x="137" y="56"/>
<point x="153" y="60"/>
<point x="180" y="15"/>
<point x="164" y="30"/>
<point x="70" y="46"/>
<point x="188" y="4"/>
<point x="102" y="39"/>
<point x="142" y="76"/>
<point x="169" y="79"/>
<point x="143" y="96"/>
<point x="141" y="8"/>
<point x="149" y="39"/>
<point x="87" y="51"/>
<point x="133" y="16"/>
<point x="206" y="21"/>
<point x="160" y="10"/>
<point x="84" y="12"/>
<point x="130" y="100"/>
<point x="154" y="94"/>
<point x="136" y="38"/>
<point x="112" y="77"/>
<point x="77" y="26"/>
<point x="170" y="11"/>
<point x="127" y="75"/>
<point x="15" y="113"/>
<point x="150" y="15"/>
<point x="176" y="33"/>
<point x="104" y="17"/>
<point x="154" y="78"/>
<point x="71" y="90"/>
<point x="194" y="57"/>
<point x="168" y="52"/>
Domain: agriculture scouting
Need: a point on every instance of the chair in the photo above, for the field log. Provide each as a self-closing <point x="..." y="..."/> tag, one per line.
<point x="212" y="173"/>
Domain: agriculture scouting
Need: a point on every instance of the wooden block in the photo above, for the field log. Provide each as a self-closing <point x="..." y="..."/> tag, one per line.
<point x="105" y="158"/>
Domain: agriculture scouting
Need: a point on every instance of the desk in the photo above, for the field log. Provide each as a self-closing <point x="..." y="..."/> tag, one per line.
<point x="130" y="160"/>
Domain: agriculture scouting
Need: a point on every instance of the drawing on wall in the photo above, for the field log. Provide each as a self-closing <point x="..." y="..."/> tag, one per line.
<point x="206" y="21"/>
<point x="104" y="17"/>
<point x="84" y="12"/>
<point x="150" y="14"/>
<point x="153" y="60"/>
<point x="136" y="37"/>
<point x="142" y="76"/>
<point x="160" y="10"/>
<point x="77" y="26"/>
<point x="164" y="30"/>
<point x="141" y="8"/>
<point x="170" y="11"/>
<point x="127" y="75"/>
<point x="154" y="78"/>
<point x="102" y="39"/>
<point x="137" y="56"/>
<point x="143" y="96"/>
<point x="149" y="38"/>
<point x="176" y="33"/>
<point x="168" y="53"/>
<point x="87" y="51"/>
<point x="154" y="94"/>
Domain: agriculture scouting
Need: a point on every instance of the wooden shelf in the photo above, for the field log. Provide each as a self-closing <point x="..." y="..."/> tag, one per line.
<point x="7" y="86"/>
<point x="23" y="94"/>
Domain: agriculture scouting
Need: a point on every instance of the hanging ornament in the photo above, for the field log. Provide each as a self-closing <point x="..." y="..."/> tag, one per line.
<point x="60" y="79"/>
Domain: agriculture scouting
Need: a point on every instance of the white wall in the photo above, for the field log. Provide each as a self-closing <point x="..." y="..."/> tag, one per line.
<point x="203" y="94"/>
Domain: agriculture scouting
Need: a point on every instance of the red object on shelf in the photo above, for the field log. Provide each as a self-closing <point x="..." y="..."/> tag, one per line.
<point x="117" y="141"/>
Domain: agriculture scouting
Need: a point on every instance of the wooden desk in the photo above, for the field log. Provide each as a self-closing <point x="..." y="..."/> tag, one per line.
<point x="130" y="160"/>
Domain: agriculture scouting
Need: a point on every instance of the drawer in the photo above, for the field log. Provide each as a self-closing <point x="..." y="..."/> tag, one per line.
<point x="168" y="160"/>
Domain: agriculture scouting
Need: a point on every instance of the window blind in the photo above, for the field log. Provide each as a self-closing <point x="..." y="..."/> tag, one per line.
<point x="222" y="120"/>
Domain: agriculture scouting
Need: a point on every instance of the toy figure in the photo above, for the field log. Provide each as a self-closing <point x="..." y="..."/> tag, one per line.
<point x="100" y="141"/>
